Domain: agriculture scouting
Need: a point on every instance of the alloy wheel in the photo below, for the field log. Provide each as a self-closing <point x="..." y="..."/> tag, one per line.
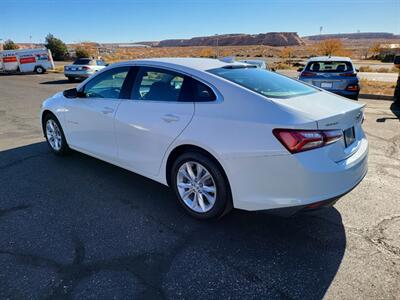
<point x="196" y="186"/>
<point x="53" y="135"/>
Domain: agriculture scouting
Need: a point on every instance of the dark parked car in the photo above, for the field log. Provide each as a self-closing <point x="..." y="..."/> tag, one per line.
<point x="334" y="74"/>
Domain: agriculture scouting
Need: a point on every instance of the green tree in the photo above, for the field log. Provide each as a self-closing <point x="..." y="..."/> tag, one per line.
<point x="10" y="45"/>
<point x="82" y="52"/>
<point x="57" y="47"/>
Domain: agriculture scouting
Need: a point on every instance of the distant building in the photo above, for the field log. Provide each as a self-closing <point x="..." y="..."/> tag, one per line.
<point x="132" y="46"/>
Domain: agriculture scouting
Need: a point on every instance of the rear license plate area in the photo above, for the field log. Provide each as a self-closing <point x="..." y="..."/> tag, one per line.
<point x="326" y="85"/>
<point x="349" y="136"/>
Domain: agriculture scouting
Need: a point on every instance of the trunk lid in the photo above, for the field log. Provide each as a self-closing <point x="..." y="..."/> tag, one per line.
<point x="332" y="81"/>
<point x="331" y="112"/>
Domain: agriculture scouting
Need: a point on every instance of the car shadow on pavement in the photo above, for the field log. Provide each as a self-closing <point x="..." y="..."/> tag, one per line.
<point x="78" y="227"/>
<point x="55" y="82"/>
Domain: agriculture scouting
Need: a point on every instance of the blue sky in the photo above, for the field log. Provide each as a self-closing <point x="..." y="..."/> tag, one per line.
<point x="133" y="21"/>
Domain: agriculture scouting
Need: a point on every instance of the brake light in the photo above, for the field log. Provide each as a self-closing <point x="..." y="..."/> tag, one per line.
<point x="348" y="74"/>
<point x="352" y="87"/>
<point x="308" y="74"/>
<point x="85" y="68"/>
<point x="302" y="140"/>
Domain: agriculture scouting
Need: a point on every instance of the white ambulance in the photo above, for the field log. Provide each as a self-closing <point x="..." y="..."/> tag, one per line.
<point x="26" y="60"/>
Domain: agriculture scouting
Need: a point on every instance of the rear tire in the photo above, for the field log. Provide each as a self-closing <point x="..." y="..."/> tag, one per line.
<point x="203" y="191"/>
<point x="40" y="70"/>
<point x="354" y="97"/>
<point x="55" y="135"/>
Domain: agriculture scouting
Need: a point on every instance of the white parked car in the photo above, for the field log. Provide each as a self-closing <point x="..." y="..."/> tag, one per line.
<point x="222" y="135"/>
<point x="256" y="62"/>
<point x="83" y="68"/>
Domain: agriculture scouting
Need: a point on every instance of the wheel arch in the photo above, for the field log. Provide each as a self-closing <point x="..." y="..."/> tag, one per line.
<point x="183" y="148"/>
<point x="45" y="113"/>
<point x="180" y="149"/>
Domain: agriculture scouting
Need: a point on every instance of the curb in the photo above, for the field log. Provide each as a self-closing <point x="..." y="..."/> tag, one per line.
<point x="376" y="97"/>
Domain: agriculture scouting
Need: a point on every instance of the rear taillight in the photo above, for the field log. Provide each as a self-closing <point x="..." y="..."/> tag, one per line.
<point x="308" y="74"/>
<point x="352" y="87"/>
<point x="302" y="140"/>
<point x="348" y="74"/>
<point x="85" y="68"/>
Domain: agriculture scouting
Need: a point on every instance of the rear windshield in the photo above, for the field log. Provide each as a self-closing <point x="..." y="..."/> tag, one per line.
<point x="83" y="61"/>
<point x="264" y="82"/>
<point x="329" y="66"/>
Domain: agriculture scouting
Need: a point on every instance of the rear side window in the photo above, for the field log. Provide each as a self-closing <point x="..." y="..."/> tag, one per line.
<point x="329" y="66"/>
<point x="158" y="85"/>
<point x="196" y="91"/>
<point x="155" y="84"/>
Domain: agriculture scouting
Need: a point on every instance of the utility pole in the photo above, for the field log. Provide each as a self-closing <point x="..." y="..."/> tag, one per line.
<point x="397" y="91"/>
<point x="396" y="95"/>
<point x="217" y="50"/>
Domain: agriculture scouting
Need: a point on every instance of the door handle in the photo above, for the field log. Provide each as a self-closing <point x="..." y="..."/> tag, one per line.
<point x="107" y="110"/>
<point x="170" y="118"/>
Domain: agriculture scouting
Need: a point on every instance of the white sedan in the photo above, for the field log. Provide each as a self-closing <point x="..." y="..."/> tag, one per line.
<point x="83" y="68"/>
<point x="222" y="135"/>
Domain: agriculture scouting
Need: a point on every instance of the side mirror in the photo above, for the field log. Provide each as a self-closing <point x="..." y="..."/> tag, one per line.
<point x="300" y="69"/>
<point x="357" y="70"/>
<point x="73" y="93"/>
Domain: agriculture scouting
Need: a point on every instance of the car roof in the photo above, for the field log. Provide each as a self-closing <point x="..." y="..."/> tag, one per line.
<point x="252" y="60"/>
<point x="201" y="64"/>
<point x="330" y="58"/>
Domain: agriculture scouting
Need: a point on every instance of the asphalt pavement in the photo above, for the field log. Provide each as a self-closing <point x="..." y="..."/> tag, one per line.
<point x="75" y="227"/>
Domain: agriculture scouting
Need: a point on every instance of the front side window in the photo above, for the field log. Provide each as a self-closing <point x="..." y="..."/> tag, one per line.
<point x="107" y="85"/>
<point x="264" y="82"/>
<point x="158" y="85"/>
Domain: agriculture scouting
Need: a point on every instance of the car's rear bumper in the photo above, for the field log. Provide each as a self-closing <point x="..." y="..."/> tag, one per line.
<point x="78" y="74"/>
<point x="345" y="93"/>
<point x="293" y="210"/>
<point x="294" y="181"/>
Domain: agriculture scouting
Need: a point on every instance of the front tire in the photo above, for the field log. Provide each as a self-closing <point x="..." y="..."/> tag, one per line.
<point x="54" y="135"/>
<point x="200" y="185"/>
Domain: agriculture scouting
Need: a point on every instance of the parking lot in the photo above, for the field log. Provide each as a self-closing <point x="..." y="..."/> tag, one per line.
<point x="76" y="227"/>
